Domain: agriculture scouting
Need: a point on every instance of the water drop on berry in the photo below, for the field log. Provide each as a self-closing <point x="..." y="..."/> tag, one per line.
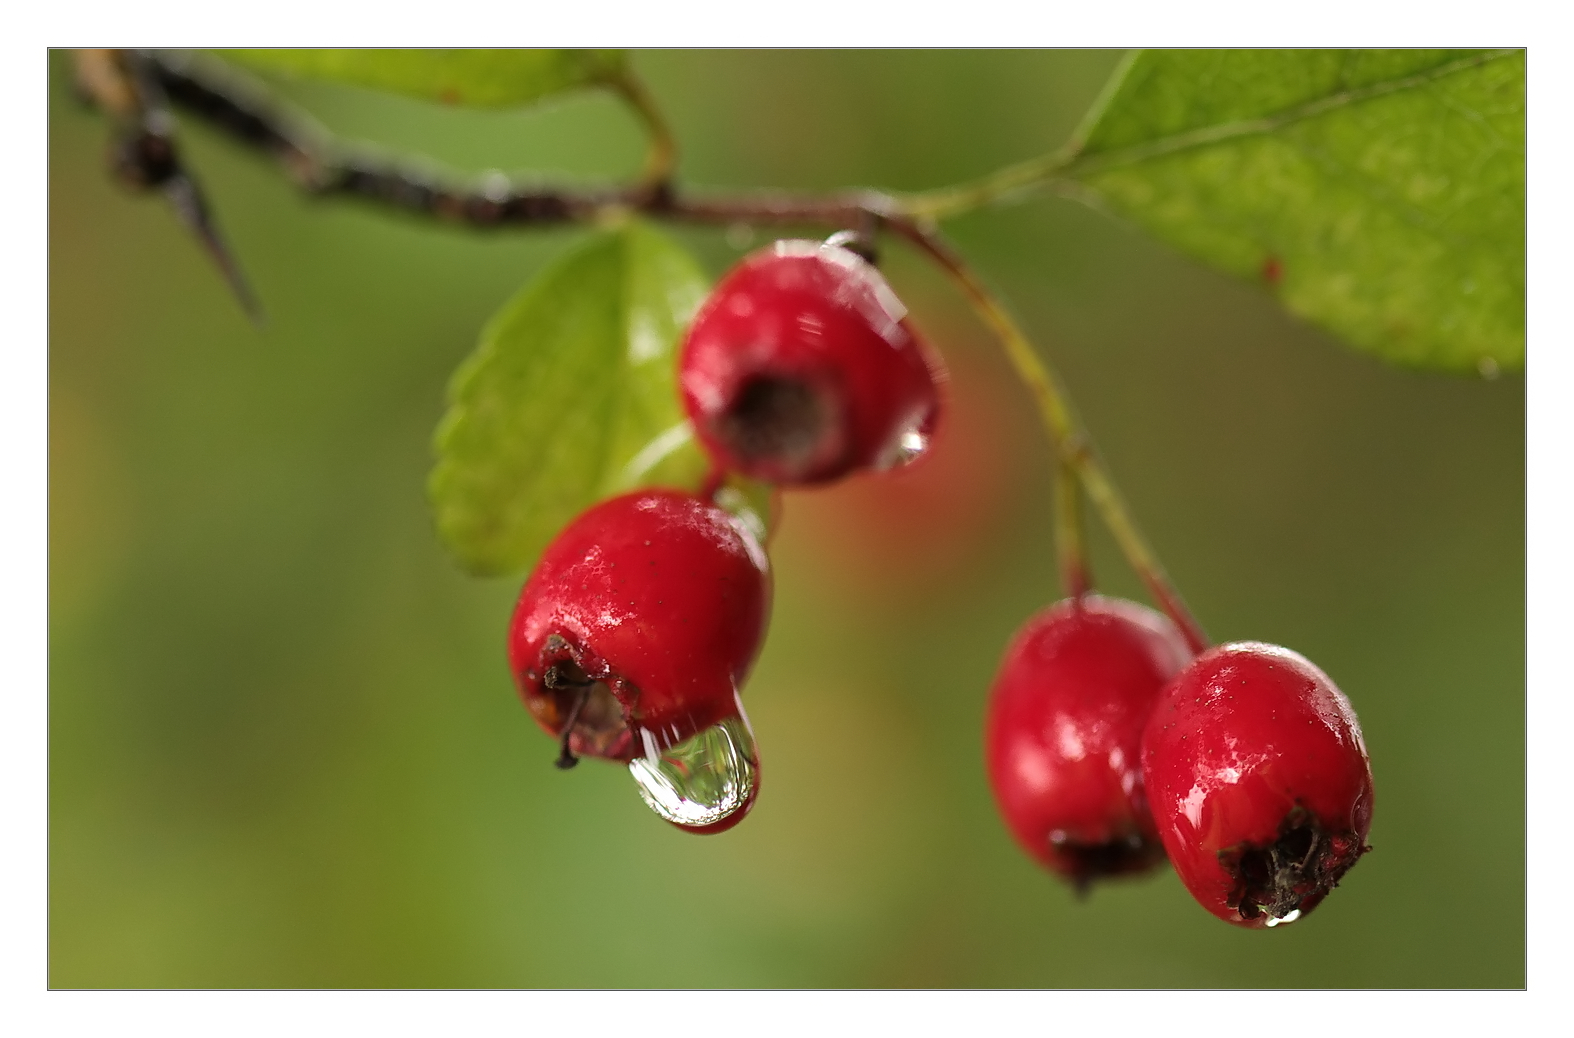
<point x="1289" y="917"/>
<point x="908" y="447"/>
<point x="705" y="783"/>
<point x="912" y="445"/>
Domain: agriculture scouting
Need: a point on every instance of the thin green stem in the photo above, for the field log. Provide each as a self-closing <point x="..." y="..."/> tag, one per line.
<point x="1020" y="177"/>
<point x="1065" y="432"/>
<point x="1076" y="576"/>
<point x="662" y="156"/>
<point x="1112" y="508"/>
<point x="943" y="203"/>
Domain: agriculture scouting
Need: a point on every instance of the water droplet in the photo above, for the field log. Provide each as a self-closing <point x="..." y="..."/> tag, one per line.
<point x="1289" y="917"/>
<point x="907" y="448"/>
<point x="703" y="779"/>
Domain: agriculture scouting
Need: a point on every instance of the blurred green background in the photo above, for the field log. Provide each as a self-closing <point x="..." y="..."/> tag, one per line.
<point x="285" y="749"/>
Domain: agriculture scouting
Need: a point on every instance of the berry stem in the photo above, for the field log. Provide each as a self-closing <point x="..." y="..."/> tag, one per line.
<point x="1118" y="518"/>
<point x="1070" y="440"/>
<point x="662" y="156"/>
<point x="1076" y="575"/>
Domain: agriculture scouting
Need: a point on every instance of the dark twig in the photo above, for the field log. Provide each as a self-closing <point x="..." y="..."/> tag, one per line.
<point x="321" y="165"/>
<point x="145" y="156"/>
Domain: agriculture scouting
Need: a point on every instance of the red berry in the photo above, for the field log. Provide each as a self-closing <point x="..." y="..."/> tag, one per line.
<point x="1259" y="782"/>
<point x="1063" y="737"/>
<point x="630" y="642"/>
<point x="802" y="367"/>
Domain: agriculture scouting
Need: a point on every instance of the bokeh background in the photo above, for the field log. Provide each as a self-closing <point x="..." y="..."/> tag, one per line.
<point x="284" y="745"/>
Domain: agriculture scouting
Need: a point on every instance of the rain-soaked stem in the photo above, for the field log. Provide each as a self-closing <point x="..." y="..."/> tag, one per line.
<point x="1070" y="441"/>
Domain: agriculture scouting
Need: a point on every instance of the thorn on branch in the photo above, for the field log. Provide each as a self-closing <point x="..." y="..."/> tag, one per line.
<point x="144" y="156"/>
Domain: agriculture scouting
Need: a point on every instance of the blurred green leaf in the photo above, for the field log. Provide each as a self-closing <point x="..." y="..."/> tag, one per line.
<point x="570" y="397"/>
<point x="1381" y="194"/>
<point x="476" y="78"/>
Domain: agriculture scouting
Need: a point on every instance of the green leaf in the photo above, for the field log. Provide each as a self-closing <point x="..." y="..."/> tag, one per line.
<point x="476" y="78"/>
<point x="571" y="397"/>
<point x="1380" y="194"/>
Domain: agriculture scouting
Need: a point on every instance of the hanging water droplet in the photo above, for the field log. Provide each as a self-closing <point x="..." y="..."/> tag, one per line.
<point x="702" y="780"/>
<point x="908" y="447"/>
<point x="1289" y="917"/>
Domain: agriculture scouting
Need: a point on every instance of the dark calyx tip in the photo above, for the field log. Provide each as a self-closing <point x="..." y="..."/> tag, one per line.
<point x="1294" y="872"/>
<point x="559" y="677"/>
<point x="776" y="418"/>
<point x="1094" y="861"/>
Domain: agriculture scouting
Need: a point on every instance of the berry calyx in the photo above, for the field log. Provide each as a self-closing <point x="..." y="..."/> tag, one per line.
<point x="802" y="367"/>
<point x="1064" y="731"/>
<point x="1259" y="782"/>
<point x="631" y="639"/>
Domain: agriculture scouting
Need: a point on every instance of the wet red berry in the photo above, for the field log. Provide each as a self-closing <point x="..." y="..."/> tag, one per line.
<point x="802" y="367"/>
<point x="630" y="642"/>
<point x="1259" y="782"/>
<point x="1063" y="736"/>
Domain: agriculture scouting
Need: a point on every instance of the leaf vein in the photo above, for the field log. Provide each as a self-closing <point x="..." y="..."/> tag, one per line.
<point x="1087" y="164"/>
